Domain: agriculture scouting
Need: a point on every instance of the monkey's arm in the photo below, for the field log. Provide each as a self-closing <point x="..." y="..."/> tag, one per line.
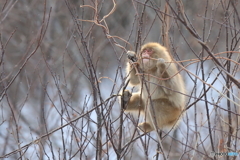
<point x="132" y="102"/>
<point x="131" y="70"/>
<point x="163" y="69"/>
<point x="166" y="70"/>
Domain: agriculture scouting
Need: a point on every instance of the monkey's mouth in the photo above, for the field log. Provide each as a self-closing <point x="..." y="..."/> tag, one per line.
<point x="145" y="58"/>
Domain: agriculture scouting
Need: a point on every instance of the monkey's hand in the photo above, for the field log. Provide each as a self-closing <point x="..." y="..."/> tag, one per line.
<point x="161" y="60"/>
<point x="125" y="98"/>
<point x="132" y="56"/>
<point x="161" y="63"/>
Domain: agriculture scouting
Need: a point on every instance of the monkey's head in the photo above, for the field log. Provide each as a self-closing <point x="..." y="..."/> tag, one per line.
<point x="149" y="54"/>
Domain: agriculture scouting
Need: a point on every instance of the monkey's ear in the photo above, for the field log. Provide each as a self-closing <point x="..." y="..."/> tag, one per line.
<point x="132" y="56"/>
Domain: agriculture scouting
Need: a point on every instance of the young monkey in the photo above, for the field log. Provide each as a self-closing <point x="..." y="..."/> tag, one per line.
<point x="161" y="87"/>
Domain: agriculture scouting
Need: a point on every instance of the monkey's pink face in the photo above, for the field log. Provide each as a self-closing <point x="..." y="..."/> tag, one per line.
<point x="146" y="54"/>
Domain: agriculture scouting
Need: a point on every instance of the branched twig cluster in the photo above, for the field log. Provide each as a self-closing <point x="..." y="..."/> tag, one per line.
<point x="62" y="75"/>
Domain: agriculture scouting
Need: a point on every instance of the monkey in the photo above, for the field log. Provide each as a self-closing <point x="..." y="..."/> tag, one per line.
<point x="161" y="99"/>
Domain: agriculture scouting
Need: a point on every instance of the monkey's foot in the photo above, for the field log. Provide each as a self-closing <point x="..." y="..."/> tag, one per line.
<point x="145" y="127"/>
<point x="125" y="97"/>
<point x="132" y="56"/>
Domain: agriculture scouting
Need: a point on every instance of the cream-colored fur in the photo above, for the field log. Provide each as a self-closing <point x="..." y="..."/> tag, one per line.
<point x="166" y="96"/>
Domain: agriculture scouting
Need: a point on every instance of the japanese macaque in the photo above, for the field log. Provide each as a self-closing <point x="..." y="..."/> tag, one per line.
<point x="161" y="96"/>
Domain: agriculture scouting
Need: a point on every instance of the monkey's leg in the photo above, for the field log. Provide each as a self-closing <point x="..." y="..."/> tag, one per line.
<point x="147" y="126"/>
<point x="164" y="113"/>
<point x="132" y="102"/>
<point x="167" y="115"/>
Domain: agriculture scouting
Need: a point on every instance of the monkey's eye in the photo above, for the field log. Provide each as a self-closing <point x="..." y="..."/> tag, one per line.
<point x="147" y="51"/>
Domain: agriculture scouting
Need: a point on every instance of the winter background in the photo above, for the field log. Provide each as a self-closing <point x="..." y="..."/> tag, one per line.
<point x="62" y="65"/>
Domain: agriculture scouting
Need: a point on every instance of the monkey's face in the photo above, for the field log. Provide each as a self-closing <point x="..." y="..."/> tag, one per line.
<point x="147" y="55"/>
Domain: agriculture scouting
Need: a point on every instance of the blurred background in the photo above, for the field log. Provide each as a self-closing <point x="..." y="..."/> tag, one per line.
<point x="62" y="65"/>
